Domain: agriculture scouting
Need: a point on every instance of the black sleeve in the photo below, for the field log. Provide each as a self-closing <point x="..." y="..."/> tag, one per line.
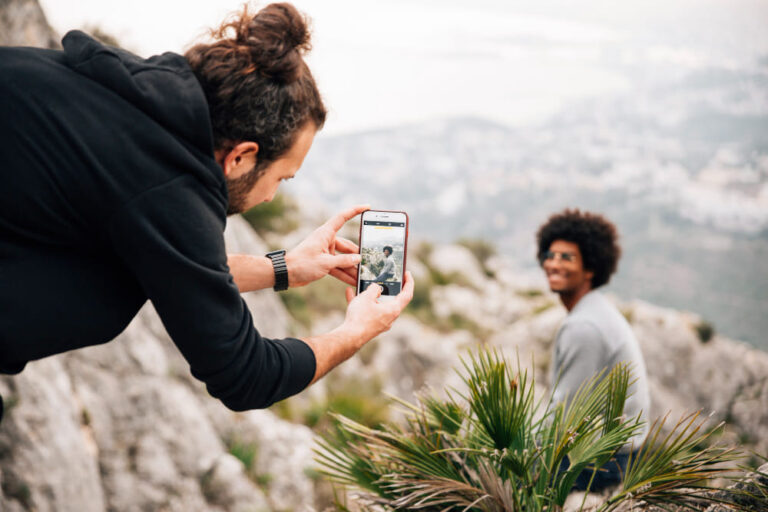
<point x="172" y="239"/>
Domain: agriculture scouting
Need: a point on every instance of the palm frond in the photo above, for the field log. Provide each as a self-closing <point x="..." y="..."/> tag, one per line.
<point x="674" y="469"/>
<point x="490" y="450"/>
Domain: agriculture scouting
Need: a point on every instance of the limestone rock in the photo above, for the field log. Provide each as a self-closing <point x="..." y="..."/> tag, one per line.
<point x="46" y="455"/>
<point x="457" y="260"/>
<point x="283" y="458"/>
<point x="412" y="356"/>
<point x="225" y="484"/>
<point x="124" y="426"/>
<point x="22" y="23"/>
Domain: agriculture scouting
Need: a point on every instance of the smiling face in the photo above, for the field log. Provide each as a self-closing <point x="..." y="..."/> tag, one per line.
<point x="565" y="270"/>
<point x="248" y="186"/>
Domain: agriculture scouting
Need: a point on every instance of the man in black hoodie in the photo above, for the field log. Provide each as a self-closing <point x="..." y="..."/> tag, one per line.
<point x="116" y="177"/>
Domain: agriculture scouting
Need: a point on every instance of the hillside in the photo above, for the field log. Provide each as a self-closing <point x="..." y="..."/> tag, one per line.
<point x="124" y="426"/>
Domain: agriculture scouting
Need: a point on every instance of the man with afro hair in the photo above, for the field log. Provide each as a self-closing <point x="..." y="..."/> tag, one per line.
<point x="579" y="252"/>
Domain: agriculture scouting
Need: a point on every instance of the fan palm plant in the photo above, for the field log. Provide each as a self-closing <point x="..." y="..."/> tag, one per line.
<point x="495" y="447"/>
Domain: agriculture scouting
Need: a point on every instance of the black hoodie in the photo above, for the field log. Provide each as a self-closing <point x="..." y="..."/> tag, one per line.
<point x="109" y="196"/>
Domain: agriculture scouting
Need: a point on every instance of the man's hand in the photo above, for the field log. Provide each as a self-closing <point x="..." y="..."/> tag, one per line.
<point x="367" y="317"/>
<point x="317" y="256"/>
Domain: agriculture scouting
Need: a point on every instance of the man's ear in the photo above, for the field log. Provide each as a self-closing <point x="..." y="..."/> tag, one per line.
<point x="240" y="159"/>
<point x="589" y="274"/>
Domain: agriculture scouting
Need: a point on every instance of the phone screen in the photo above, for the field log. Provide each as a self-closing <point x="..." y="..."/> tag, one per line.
<point x="383" y="238"/>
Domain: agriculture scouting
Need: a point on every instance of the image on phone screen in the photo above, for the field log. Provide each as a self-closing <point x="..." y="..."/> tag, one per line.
<point x="382" y="248"/>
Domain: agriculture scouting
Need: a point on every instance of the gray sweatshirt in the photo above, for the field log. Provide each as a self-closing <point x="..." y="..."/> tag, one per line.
<point x="594" y="336"/>
<point x="388" y="270"/>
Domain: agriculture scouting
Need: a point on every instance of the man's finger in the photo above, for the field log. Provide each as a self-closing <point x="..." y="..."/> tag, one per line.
<point x="351" y="271"/>
<point x="406" y="294"/>
<point x="345" y="260"/>
<point x="337" y="221"/>
<point x="344" y="277"/>
<point x="350" y="293"/>
<point x="372" y="292"/>
<point x="344" y="245"/>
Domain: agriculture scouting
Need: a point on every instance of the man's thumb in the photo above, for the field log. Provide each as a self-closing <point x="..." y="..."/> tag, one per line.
<point x="373" y="291"/>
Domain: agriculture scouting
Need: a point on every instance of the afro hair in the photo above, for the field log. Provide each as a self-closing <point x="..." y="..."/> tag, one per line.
<point x="595" y="235"/>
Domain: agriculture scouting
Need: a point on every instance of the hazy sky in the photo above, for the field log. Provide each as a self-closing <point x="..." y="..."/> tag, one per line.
<point x="386" y="63"/>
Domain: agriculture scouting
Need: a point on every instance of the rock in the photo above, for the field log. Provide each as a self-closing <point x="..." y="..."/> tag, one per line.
<point x="578" y="502"/>
<point x="530" y="339"/>
<point x="750" y="493"/>
<point x="455" y="260"/>
<point x="419" y="271"/>
<point x="269" y="314"/>
<point x="225" y="484"/>
<point x="124" y="426"/>
<point x="723" y="377"/>
<point x="45" y="458"/>
<point x="412" y="356"/>
<point x="22" y="23"/>
<point x="283" y="457"/>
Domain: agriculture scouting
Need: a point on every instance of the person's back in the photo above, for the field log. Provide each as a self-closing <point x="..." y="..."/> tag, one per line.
<point x="90" y="130"/>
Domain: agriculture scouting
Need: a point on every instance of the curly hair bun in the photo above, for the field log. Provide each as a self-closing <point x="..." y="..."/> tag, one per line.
<point x="275" y="38"/>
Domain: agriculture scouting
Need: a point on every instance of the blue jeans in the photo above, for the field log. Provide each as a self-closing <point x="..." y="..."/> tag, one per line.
<point x="609" y="475"/>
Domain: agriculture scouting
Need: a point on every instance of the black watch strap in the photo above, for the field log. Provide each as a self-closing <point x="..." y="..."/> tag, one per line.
<point x="281" y="269"/>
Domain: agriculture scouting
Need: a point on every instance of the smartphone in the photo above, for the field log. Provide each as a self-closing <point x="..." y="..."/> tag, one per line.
<point x="383" y="249"/>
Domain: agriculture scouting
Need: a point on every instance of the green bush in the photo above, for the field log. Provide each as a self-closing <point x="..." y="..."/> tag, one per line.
<point x="530" y="293"/>
<point x="542" y="308"/>
<point x="497" y="448"/>
<point x="359" y="399"/>
<point x="705" y="331"/>
<point x="281" y="215"/>
<point x="314" y="301"/>
<point x="296" y="304"/>
<point x="246" y="453"/>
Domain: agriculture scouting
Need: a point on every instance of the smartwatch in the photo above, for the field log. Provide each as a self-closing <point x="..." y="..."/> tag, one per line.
<point x="281" y="269"/>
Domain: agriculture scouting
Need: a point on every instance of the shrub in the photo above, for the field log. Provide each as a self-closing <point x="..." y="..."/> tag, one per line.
<point x="296" y="304"/>
<point x="245" y="452"/>
<point x="705" y="331"/>
<point x="530" y="293"/>
<point x="281" y="215"/>
<point x="496" y="448"/>
<point x="542" y="308"/>
<point x="359" y="399"/>
<point x="319" y="299"/>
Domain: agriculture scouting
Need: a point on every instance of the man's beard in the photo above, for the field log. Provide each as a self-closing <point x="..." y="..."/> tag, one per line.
<point x="238" y="189"/>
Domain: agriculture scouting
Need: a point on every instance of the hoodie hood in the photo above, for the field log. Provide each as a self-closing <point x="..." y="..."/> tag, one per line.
<point x="163" y="86"/>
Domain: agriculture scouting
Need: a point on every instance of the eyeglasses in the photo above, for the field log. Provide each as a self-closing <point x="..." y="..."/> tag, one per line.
<point x="551" y="255"/>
